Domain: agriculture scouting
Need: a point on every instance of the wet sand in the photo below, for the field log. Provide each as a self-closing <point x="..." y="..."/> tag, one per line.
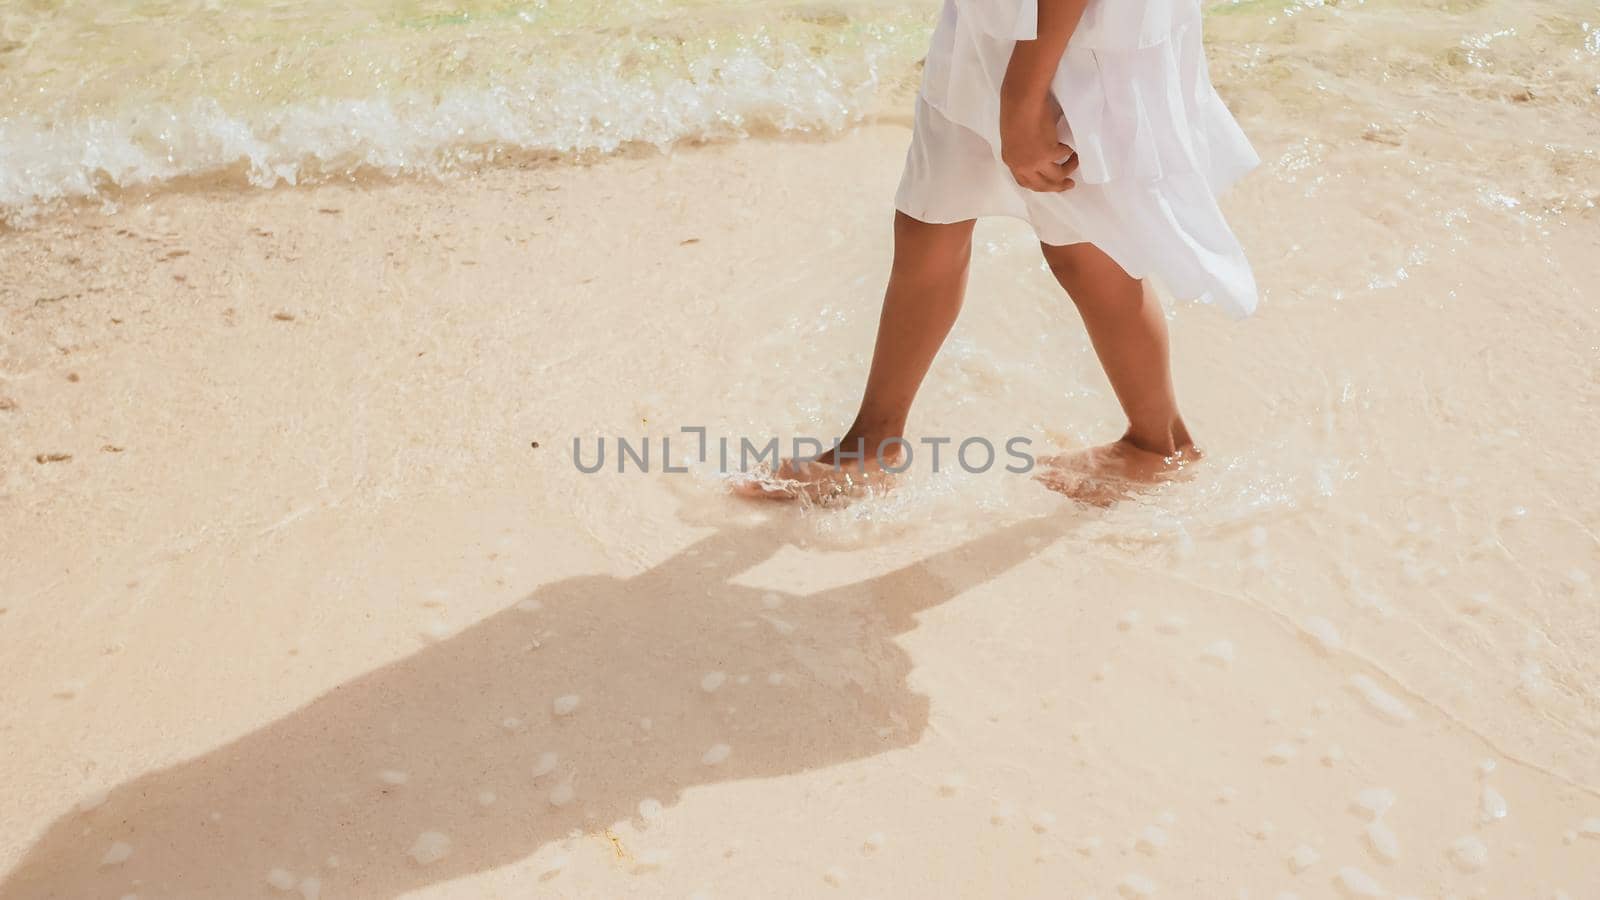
<point x="293" y="606"/>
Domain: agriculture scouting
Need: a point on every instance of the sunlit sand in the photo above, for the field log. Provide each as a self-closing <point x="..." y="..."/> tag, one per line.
<point x="301" y="592"/>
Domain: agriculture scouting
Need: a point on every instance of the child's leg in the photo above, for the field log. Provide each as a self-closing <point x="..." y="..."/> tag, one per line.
<point x="1129" y="333"/>
<point x="926" y="284"/>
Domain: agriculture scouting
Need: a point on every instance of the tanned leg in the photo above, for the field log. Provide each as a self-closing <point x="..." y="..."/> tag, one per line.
<point x="927" y="282"/>
<point x="1129" y="333"/>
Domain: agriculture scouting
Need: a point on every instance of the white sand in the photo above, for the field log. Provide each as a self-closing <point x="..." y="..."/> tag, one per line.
<point x="301" y="540"/>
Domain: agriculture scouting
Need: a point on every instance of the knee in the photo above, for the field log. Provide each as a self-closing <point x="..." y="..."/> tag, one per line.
<point x="1067" y="269"/>
<point x="1091" y="279"/>
<point x="932" y="251"/>
<point x="1075" y="275"/>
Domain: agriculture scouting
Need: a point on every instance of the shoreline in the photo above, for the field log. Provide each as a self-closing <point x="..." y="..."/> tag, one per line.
<point x="110" y="198"/>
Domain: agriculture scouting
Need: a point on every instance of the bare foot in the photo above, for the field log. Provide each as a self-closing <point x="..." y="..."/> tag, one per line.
<point x="822" y="480"/>
<point x="1102" y="475"/>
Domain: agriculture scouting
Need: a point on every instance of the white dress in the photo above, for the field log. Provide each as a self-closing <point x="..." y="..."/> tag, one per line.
<point x="1155" y="143"/>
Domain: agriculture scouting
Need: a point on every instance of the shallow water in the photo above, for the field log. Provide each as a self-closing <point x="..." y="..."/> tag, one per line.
<point x="138" y="92"/>
<point x="134" y="92"/>
<point x="1425" y="217"/>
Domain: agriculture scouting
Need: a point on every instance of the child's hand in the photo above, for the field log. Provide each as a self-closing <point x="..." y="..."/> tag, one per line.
<point x="1030" y="148"/>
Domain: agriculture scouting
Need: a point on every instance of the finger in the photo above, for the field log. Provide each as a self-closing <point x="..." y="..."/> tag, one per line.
<point x="1052" y="180"/>
<point x="1051" y="174"/>
<point x="1026" y="179"/>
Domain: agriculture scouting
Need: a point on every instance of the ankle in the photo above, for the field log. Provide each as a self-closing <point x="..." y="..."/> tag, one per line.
<point x="1163" y="441"/>
<point x="884" y="446"/>
<point x="868" y="448"/>
<point x="873" y="432"/>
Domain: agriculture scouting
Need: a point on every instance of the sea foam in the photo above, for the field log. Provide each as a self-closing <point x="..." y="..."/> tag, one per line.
<point x="583" y="84"/>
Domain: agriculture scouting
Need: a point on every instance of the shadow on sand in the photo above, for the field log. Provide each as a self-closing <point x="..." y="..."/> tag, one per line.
<point x="307" y="787"/>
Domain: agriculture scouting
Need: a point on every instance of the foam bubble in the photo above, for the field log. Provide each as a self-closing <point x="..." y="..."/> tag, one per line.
<point x="1374" y="801"/>
<point x="1303" y="858"/>
<point x="429" y="848"/>
<point x="1323" y="633"/>
<point x="562" y="794"/>
<point x="1136" y="886"/>
<point x="1385" y="704"/>
<point x="1356" y="883"/>
<point x="546" y="764"/>
<point x="1469" y="854"/>
<point x="651" y="810"/>
<point x="117" y="854"/>
<point x="1219" y="653"/>
<point x="1492" y="805"/>
<point x="1383" y="841"/>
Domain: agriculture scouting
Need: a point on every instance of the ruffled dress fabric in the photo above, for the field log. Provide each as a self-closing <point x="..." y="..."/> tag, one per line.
<point x="1155" y="143"/>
